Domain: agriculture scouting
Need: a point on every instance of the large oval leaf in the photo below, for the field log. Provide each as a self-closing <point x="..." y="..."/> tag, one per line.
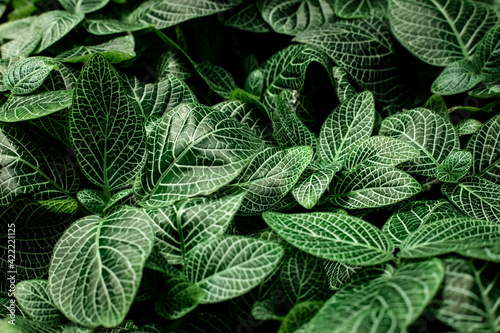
<point x="97" y="266"/>
<point x="331" y="236"/>
<point x="194" y="150"/>
<point x="106" y="132"/>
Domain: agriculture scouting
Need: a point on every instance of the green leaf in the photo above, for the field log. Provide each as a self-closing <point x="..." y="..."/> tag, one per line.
<point x="288" y="129"/>
<point x="164" y="14"/>
<point x="470" y="296"/>
<point x="217" y="78"/>
<point x="468" y="126"/>
<point x="270" y="176"/>
<point x="194" y="150"/>
<point x="55" y="25"/>
<point x="313" y="184"/>
<point x="160" y="97"/>
<point x="373" y="186"/>
<point x="97" y="267"/>
<point x="117" y="197"/>
<point x="349" y="123"/>
<point x="23" y="45"/>
<point x="31" y="166"/>
<point x="449" y="235"/>
<point x="486" y="91"/>
<point x="248" y="18"/>
<point x="475" y="196"/>
<point x="485" y="148"/>
<point x="437" y="104"/>
<point x="110" y="27"/>
<point x="180" y="228"/>
<point x="294" y="16"/>
<point x="440" y="32"/>
<point x="339" y="273"/>
<point x="487" y="56"/>
<point x="115" y="51"/>
<point x="434" y="137"/>
<point x="108" y="155"/>
<point x="178" y="297"/>
<point x="351" y="9"/>
<point x="343" y="88"/>
<point x="379" y="151"/>
<point x="56" y="125"/>
<point x="34" y="299"/>
<point x="254" y="83"/>
<point x="406" y="221"/>
<point x="83" y="6"/>
<point x="456" y="78"/>
<point x="455" y="166"/>
<point x="486" y="253"/>
<point x="381" y="299"/>
<point x="27" y="75"/>
<point x="229" y="267"/>
<point x="300" y="314"/>
<point x="174" y="63"/>
<point x="94" y="201"/>
<point x="331" y="236"/>
<point x="20" y="108"/>
<point x="375" y="68"/>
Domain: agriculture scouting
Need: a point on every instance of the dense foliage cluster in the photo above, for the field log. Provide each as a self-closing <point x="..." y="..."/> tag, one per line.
<point x="249" y="166"/>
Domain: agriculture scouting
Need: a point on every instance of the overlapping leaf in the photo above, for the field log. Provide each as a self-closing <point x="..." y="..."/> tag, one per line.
<point x="468" y="126"/>
<point x="55" y="25"/>
<point x="351" y="9"/>
<point x="83" y="6"/>
<point x="486" y="59"/>
<point x="312" y="184"/>
<point x="339" y="273"/>
<point x="34" y="299"/>
<point x="27" y="75"/>
<point x="103" y="27"/>
<point x="179" y="296"/>
<point x="456" y="78"/>
<point x="248" y="18"/>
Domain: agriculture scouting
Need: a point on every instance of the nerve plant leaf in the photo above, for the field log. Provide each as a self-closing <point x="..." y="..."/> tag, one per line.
<point x="34" y="299"/>
<point x="456" y="78"/>
<point x="313" y="183"/>
<point x="352" y="9"/>
<point x="179" y="296"/>
<point x="381" y="299"/>
<point x="228" y="267"/>
<point x="455" y="166"/>
<point x="106" y="254"/>
<point x="106" y="133"/>
<point x="55" y="25"/>
<point x="83" y="6"/>
<point x="331" y="236"/>
<point x="487" y="56"/>
<point x="27" y="75"/>
<point x="103" y="27"/>
<point x="194" y="150"/>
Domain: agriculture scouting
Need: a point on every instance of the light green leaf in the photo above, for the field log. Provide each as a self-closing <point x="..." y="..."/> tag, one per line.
<point x="20" y="108"/>
<point x="449" y="235"/>
<point x="24" y="325"/>
<point x="486" y="91"/>
<point x="117" y="197"/>
<point x="27" y="75"/>
<point x="106" y="132"/>
<point x="300" y="314"/>
<point x="456" y="78"/>
<point x="254" y="83"/>
<point x="343" y="88"/>
<point x="12" y="29"/>
<point x="434" y="137"/>
<point x="229" y="267"/>
<point x="23" y="45"/>
<point x="55" y="24"/>
<point x="339" y="273"/>
<point x="288" y="129"/>
<point x="34" y="299"/>
<point x="83" y="6"/>
<point x="471" y="296"/>
<point x="475" y="196"/>
<point x="178" y="297"/>
<point x="468" y="126"/>
<point x="351" y="9"/>
<point x="194" y="150"/>
<point x="331" y="236"/>
<point x="294" y="16"/>
<point x="381" y="299"/>
<point x="97" y="267"/>
<point x="376" y="68"/>
<point x="110" y="27"/>
<point x="408" y="220"/>
<point x="437" y="104"/>
<point x="485" y="148"/>
<point x="270" y="176"/>
<point x="312" y="185"/>
<point x="115" y="51"/>
<point x="248" y="18"/>
<point x="160" y="97"/>
<point x="180" y="228"/>
<point x="373" y="186"/>
<point x="94" y="201"/>
<point x="486" y="59"/>
<point x="440" y="32"/>
<point x="379" y="151"/>
<point x="486" y="253"/>
<point x="349" y="123"/>
<point x="163" y="14"/>
<point x="455" y="166"/>
<point x="30" y="166"/>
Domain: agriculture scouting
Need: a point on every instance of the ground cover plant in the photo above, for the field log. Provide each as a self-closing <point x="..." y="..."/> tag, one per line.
<point x="249" y="166"/>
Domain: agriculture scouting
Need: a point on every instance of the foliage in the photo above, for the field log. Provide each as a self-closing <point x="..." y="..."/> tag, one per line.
<point x="249" y="166"/>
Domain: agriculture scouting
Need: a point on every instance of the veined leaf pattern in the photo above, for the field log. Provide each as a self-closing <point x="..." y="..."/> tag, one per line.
<point x="26" y="76"/>
<point x="83" y="6"/>
<point x="34" y="299"/>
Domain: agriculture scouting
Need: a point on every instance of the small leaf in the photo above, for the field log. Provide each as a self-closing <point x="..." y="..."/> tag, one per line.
<point x="178" y="297"/>
<point x="218" y="79"/>
<point x="27" y="75"/>
<point x="229" y="267"/>
<point x="468" y="126"/>
<point x="94" y="201"/>
<point x="83" y="6"/>
<point x="21" y="108"/>
<point x="456" y="78"/>
<point x="455" y="166"/>
<point x="110" y="27"/>
<point x="248" y="18"/>
<point x="255" y="83"/>
<point x="33" y="297"/>
<point x="300" y="314"/>
<point x="313" y="184"/>
<point x="343" y="88"/>
<point x="336" y="237"/>
<point x="437" y="104"/>
<point x="339" y="273"/>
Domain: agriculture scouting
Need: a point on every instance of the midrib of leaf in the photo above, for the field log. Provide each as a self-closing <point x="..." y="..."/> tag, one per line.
<point x="107" y="192"/>
<point x="486" y="302"/>
<point x="39" y="171"/>
<point x="455" y="31"/>
<point x="182" y="243"/>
